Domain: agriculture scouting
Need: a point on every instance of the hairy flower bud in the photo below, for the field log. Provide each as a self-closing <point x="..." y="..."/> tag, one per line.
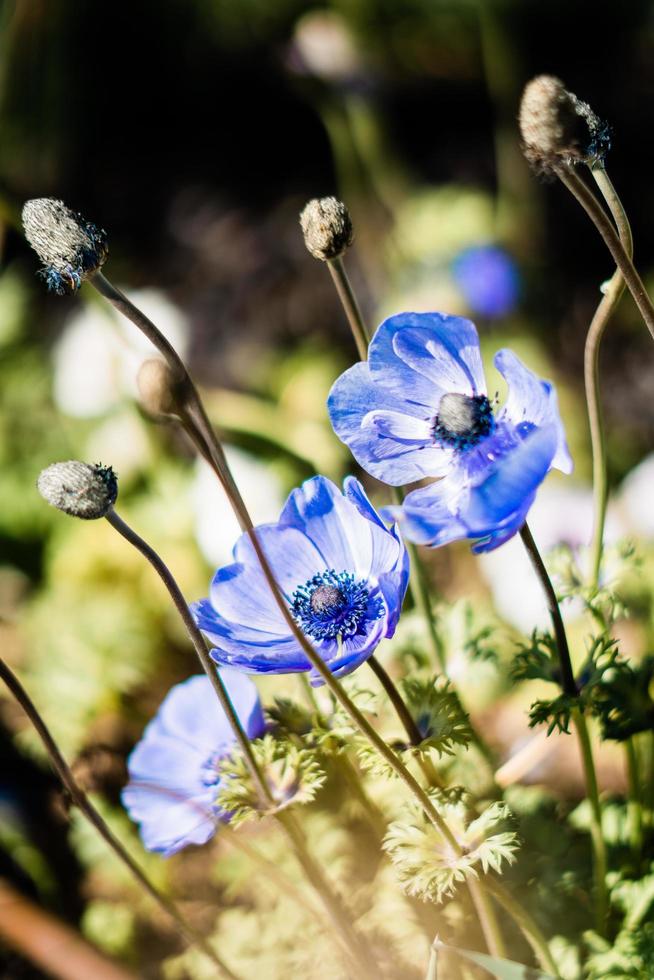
<point x="157" y="388"/>
<point x="79" y="489"/>
<point x="557" y="127"/>
<point x="70" y="247"/>
<point x="327" y="228"/>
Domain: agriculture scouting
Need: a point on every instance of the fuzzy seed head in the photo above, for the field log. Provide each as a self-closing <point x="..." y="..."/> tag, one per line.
<point x="79" y="489"/>
<point x="557" y="127"/>
<point x="157" y="388"/>
<point x="70" y="247"/>
<point x="327" y="228"/>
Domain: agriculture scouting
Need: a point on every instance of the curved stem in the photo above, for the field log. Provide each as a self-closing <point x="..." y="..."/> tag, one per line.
<point x="599" y="847"/>
<point x="356" y="948"/>
<point x="530" y="928"/>
<point x="570" y="688"/>
<point x="613" y="291"/>
<point x="568" y="682"/>
<point x="487" y="918"/>
<point x="593" y="209"/>
<point x="330" y="900"/>
<point x="394" y="696"/>
<point x="200" y="648"/>
<point x="80" y="799"/>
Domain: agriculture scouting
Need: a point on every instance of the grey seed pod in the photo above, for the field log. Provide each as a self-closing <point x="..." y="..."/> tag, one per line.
<point x="558" y="127"/>
<point x="79" y="489"/>
<point x="70" y="247"/>
<point x="157" y="388"/>
<point x="327" y="228"/>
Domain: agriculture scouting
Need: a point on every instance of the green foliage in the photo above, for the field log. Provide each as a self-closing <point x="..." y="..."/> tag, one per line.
<point x="293" y="775"/>
<point x="428" y="866"/>
<point x="438" y="714"/>
<point x="501" y="968"/>
<point x="621" y="699"/>
<point x="629" y="957"/>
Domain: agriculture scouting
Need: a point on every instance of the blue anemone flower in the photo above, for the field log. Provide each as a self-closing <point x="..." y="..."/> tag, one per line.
<point x="173" y="778"/>
<point x="418" y="407"/>
<point x="488" y="278"/>
<point x="343" y="574"/>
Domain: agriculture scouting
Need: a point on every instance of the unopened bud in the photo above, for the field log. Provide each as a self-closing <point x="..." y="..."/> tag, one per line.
<point x="157" y="388"/>
<point x="327" y="228"/>
<point x="70" y="247"/>
<point x="79" y="489"/>
<point x="557" y="127"/>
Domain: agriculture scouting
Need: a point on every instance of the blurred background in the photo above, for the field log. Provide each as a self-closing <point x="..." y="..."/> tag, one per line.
<point x="194" y="133"/>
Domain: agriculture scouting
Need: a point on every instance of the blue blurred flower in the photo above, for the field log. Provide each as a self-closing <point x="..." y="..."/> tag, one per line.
<point x="418" y="407"/>
<point x="343" y="574"/>
<point x="173" y="781"/>
<point x="488" y="278"/>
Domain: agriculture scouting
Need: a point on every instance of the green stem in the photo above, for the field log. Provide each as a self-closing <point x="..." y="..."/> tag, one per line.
<point x="594" y="210"/>
<point x="634" y="804"/>
<point x="527" y="924"/>
<point x="597" y="837"/>
<point x="353" y="944"/>
<point x="613" y="291"/>
<point x="487" y="918"/>
<point x="78" y="796"/>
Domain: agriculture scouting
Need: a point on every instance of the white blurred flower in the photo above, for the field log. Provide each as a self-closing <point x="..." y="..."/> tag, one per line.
<point x="561" y="514"/>
<point x="216" y="528"/>
<point x="636" y="498"/>
<point x="97" y="357"/>
<point x="123" y="440"/>
<point x="325" y="45"/>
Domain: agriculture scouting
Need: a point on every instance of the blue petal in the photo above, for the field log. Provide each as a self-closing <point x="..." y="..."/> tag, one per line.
<point x="345" y="538"/>
<point x="240" y="593"/>
<point x="192" y="713"/>
<point x="515" y="479"/>
<point x="286" y="658"/>
<point x="168" y="824"/>
<point x="419" y="357"/>
<point x="428" y="515"/>
<point x="532" y="400"/>
<point x="387" y="435"/>
<point x="354" y="651"/>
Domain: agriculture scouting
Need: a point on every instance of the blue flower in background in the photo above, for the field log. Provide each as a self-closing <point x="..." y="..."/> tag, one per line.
<point x="418" y="407"/>
<point x="342" y="572"/>
<point x="173" y="779"/>
<point x="488" y="278"/>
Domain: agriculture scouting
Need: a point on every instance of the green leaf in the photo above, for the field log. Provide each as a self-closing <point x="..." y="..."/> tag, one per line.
<point x="502" y="969"/>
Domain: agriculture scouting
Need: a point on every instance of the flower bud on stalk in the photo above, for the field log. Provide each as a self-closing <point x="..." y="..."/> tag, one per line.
<point x="79" y="489"/>
<point x="70" y="247"/>
<point x="557" y="127"/>
<point x="157" y="388"/>
<point x="327" y="228"/>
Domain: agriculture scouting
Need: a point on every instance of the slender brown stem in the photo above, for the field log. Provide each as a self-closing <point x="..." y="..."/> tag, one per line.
<point x="568" y="682"/>
<point x="80" y="799"/>
<point x="350" y="305"/>
<point x="613" y="291"/>
<point x="593" y="209"/>
<point x="394" y="696"/>
<point x="570" y="688"/>
<point x="200" y="648"/>
<point x="330" y="900"/>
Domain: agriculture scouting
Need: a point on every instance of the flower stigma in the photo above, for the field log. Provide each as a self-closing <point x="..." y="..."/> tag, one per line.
<point x="462" y="420"/>
<point x="332" y="604"/>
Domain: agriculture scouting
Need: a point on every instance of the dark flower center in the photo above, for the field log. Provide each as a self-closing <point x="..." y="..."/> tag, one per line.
<point x="333" y="604"/>
<point x="462" y="420"/>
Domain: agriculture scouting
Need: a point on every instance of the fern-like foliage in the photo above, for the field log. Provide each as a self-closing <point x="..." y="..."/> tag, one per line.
<point x="293" y="775"/>
<point x="438" y="714"/>
<point x="629" y="957"/>
<point x="429" y="867"/>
